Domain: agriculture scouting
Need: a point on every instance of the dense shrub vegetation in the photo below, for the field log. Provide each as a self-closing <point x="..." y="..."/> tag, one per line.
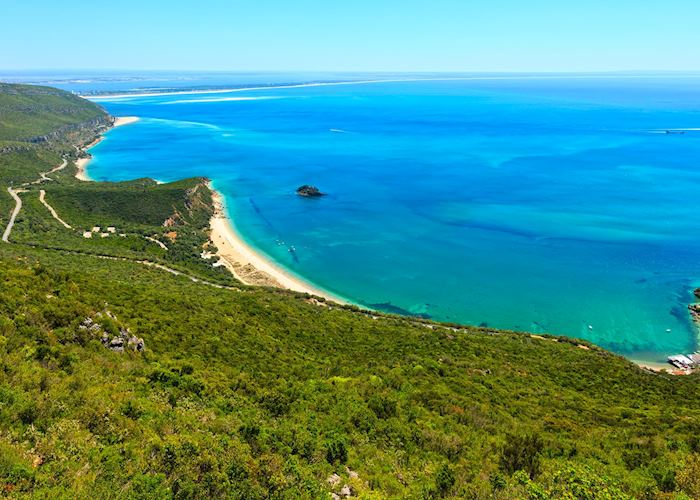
<point x="252" y="392"/>
<point x="28" y="112"/>
<point x="245" y="392"/>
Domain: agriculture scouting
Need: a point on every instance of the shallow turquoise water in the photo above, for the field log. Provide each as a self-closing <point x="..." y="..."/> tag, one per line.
<point x="548" y="205"/>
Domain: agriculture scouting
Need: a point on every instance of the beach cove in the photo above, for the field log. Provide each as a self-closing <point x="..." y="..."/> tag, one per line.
<point x="520" y="225"/>
<point x="247" y="265"/>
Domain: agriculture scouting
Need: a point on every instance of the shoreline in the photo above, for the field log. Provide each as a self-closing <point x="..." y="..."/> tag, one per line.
<point x="253" y="268"/>
<point x="659" y="367"/>
<point x="81" y="163"/>
<point x="123" y="95"/>
<point x="246" y="264"/>
<point x="249" y="265"/>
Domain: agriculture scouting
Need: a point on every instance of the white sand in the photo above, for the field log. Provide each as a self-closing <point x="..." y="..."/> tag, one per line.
<point x="365" y="82"/>
<point x="125" y="120"/>
<point x="248" y="265"/>
<point x="657" y="367"/>
<point x="81" y="163"/>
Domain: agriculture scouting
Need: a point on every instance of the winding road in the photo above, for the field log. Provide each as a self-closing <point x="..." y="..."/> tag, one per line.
<point x="18" y="207"/>
<point x="42" y="194"/>
<point x="43" y="175"/>
<point x="18" y="201"/>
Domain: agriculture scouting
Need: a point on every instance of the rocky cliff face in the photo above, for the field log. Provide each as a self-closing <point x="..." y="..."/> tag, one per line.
<point x="46" y="116"/>
<point x="75" y="132"/>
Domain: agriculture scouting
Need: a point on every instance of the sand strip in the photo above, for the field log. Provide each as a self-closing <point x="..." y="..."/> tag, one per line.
<point x="659" y="367"/>
<point x="248" y="265"/>
<point x="125" y="120"/>
<point x="145" y="93"/>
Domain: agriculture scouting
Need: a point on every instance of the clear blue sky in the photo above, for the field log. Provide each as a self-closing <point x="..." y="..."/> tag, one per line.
<point x="352" y="35"/>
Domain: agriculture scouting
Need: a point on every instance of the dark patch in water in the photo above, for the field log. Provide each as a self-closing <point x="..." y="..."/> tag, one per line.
<point x="293" y="253"/>
<point x="680" y="313"/>
<point x="392" y="309"/>
<point x="259" y="212"/>
<point x="252" y="203"/>
<point x="292" y="250"/>
<point x="484" y="324"/>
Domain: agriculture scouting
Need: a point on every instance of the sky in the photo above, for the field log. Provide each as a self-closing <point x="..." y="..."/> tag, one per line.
<point x="351" y="35"/>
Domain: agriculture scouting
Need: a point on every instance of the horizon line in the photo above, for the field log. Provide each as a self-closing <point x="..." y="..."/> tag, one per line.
<point x="363" y="71"/>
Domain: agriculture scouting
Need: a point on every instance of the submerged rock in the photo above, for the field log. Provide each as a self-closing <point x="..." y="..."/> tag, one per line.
<point x="309" y="191"/>
<point x="390" y="308"/>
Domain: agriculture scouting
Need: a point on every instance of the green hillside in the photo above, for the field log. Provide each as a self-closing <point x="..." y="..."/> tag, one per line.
<point x="37" y="126"/>
<point x="244" y="392"/>
<point x="29" y="112"/>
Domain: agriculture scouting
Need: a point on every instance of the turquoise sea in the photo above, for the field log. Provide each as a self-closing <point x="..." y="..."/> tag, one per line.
<point x="566" y="205"/>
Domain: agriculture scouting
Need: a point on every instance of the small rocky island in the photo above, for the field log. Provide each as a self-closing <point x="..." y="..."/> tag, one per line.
<point x="309" y="191"/>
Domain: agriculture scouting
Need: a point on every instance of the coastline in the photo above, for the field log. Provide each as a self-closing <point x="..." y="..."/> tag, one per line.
<point x="98" y="97"/>
<point x="81" y="163"/>
<point x="659" y="367"/>
<point x="123" y="95"/>
<point x="247" y="264"/>
<point x="253" y="268"/>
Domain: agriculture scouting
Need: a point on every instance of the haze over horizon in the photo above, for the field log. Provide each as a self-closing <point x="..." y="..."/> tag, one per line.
<point x="363" y="36"/>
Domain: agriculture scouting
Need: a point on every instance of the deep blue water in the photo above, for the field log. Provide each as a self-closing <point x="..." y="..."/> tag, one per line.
<point x="548" y="205"/>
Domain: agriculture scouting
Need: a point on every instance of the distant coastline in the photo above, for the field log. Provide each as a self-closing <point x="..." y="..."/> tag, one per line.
<point x="124" y="95"/>
<point x="147" y="93"/>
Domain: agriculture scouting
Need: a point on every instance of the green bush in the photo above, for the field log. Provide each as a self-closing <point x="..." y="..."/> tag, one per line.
<point x="521" y="452"/>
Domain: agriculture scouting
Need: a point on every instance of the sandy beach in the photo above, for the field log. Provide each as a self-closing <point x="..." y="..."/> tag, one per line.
<point x="659" y="367"/>
<point x="81" y="163"/>
<point x="246" y="264"/>
<point x="125" y="120"/>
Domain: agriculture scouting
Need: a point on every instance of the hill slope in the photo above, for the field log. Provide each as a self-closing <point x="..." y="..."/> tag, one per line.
<point x="252" y="393"/>
<point x="34" y="114"/>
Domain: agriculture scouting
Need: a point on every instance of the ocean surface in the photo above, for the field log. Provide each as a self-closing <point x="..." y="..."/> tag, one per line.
<point x="559" y="205"/>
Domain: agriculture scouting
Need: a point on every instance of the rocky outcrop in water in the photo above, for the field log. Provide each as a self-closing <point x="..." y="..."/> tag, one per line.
<point x="309" y="191"/>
